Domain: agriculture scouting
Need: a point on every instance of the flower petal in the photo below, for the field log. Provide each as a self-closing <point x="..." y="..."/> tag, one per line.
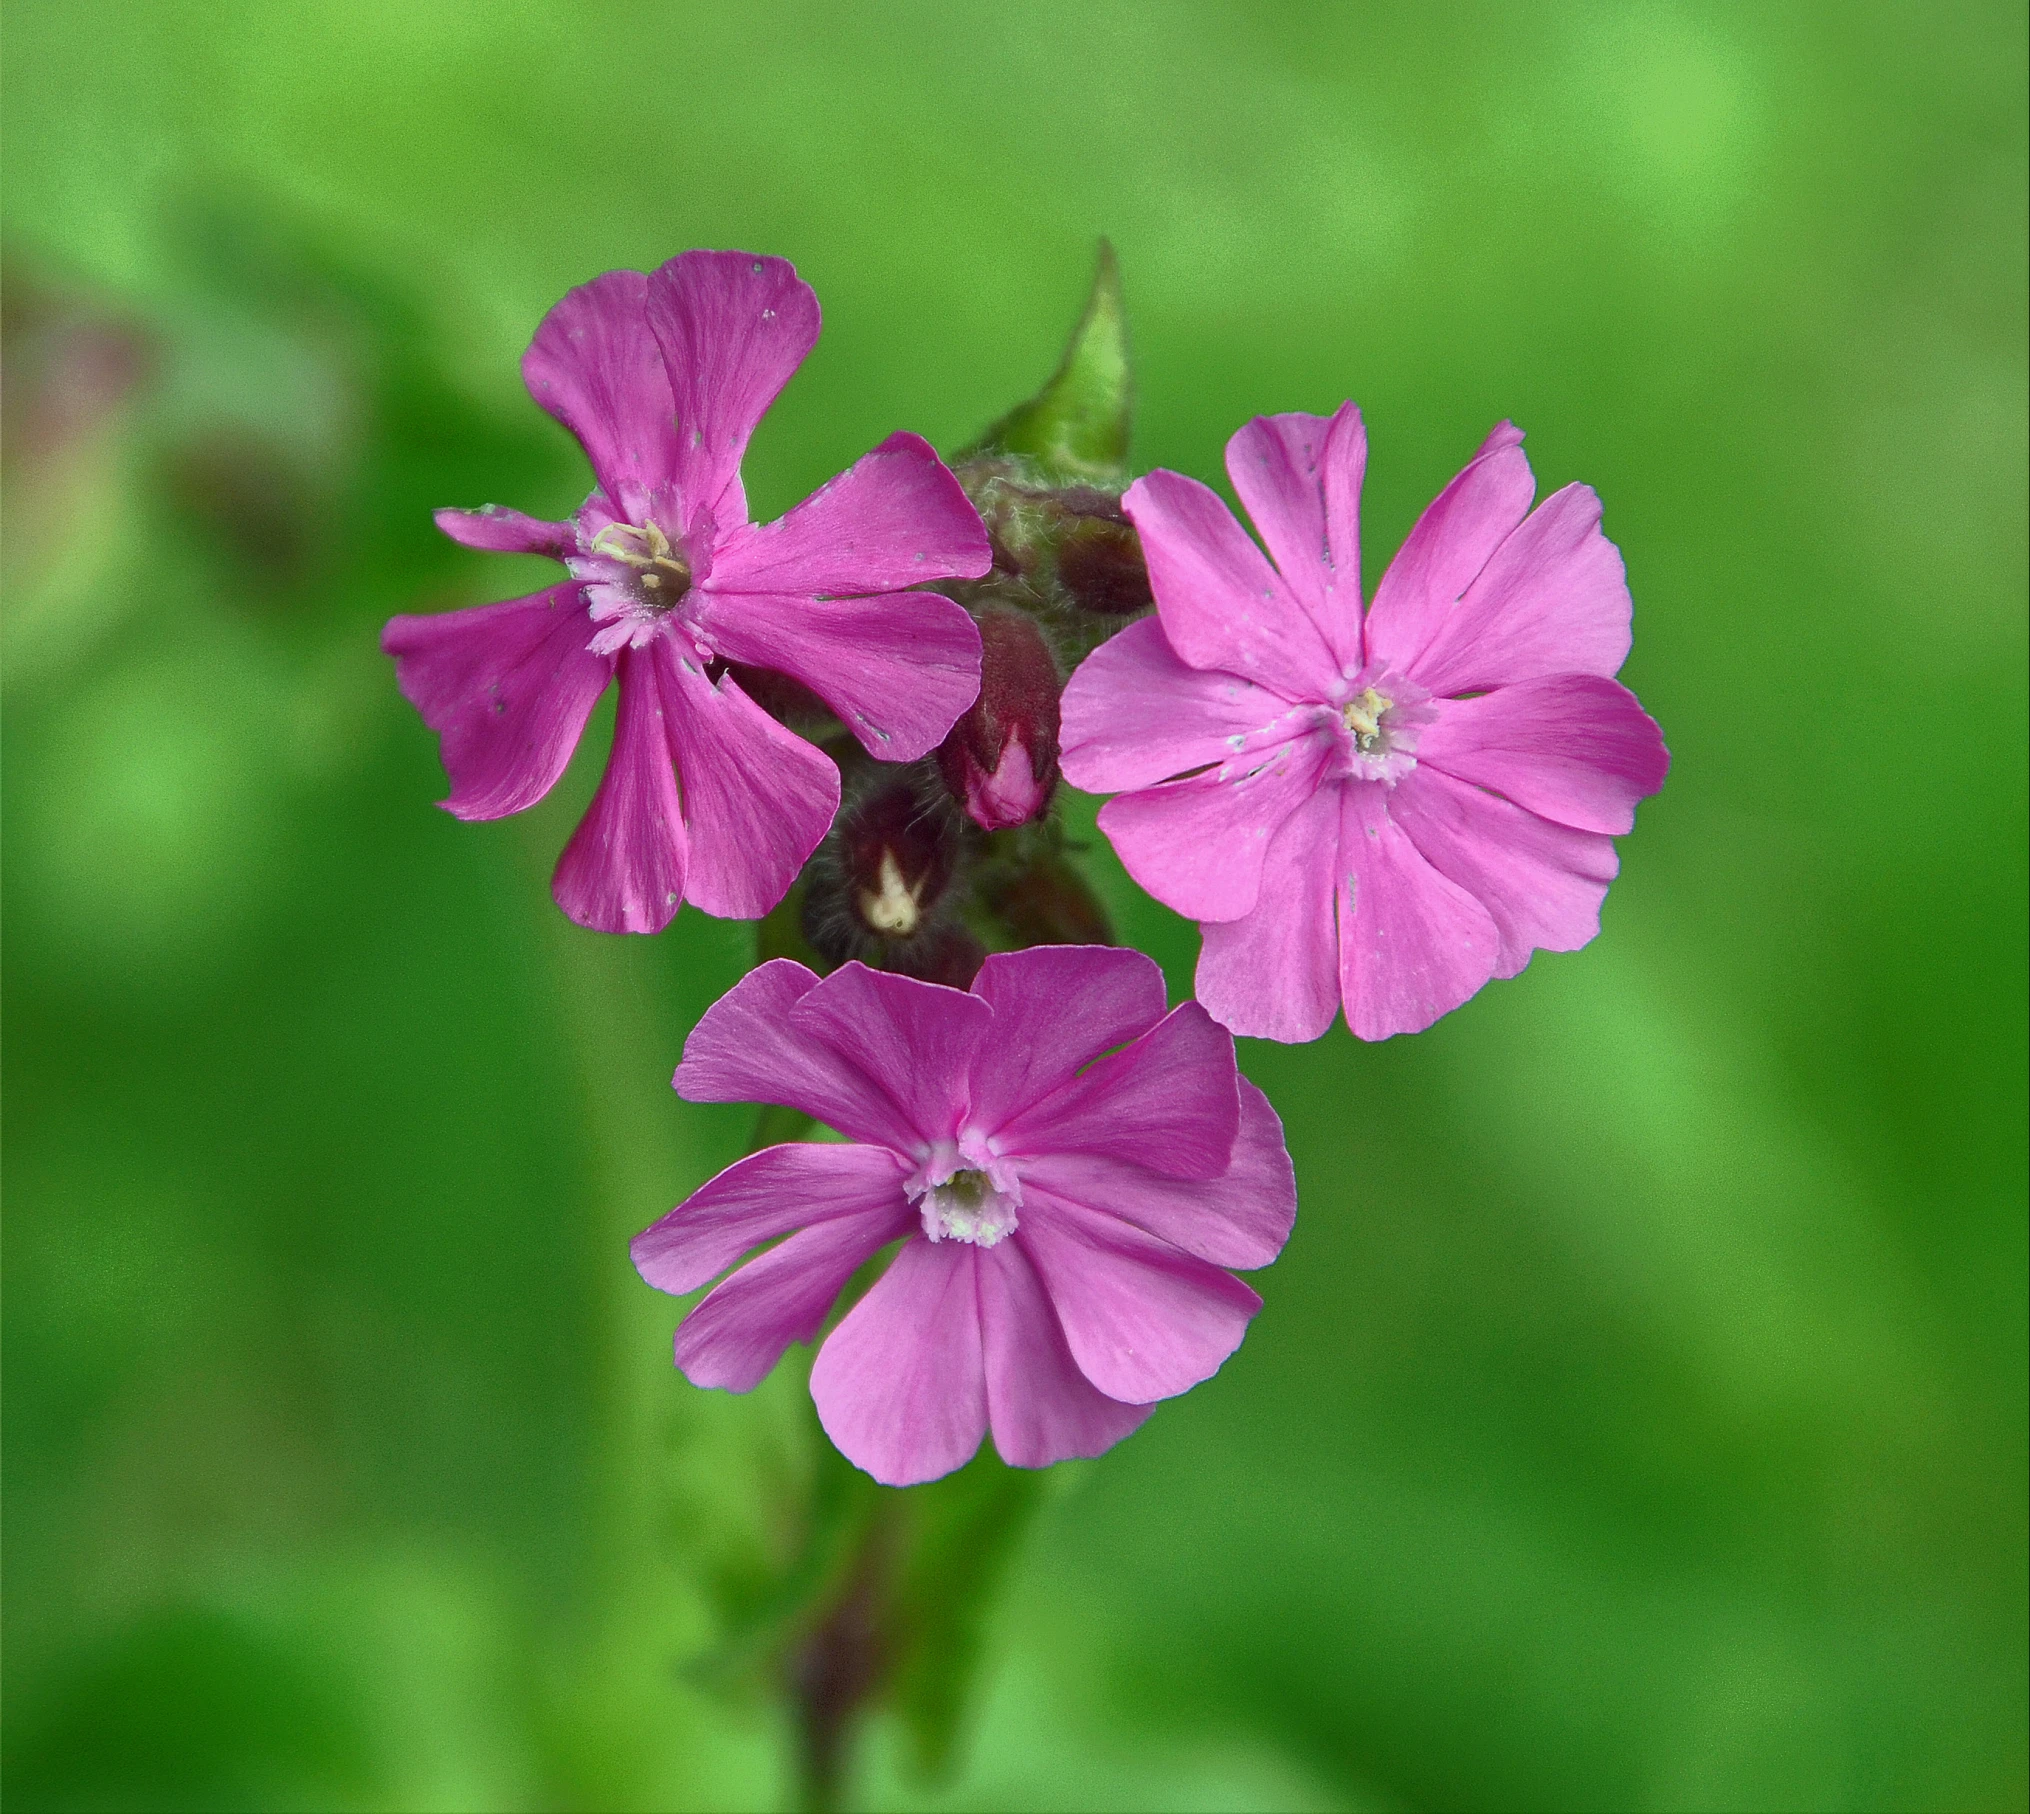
<point x="768" y="1193"/>
<point x="1134" y="714"/>
<point x="893" y="519"/>
<point x="1222" y="604"/>
<point x="499" y="530"/>
<point x="1299" y="478"/>
<point x="1412" y="945"/>
<point x="1169" y="1101"/>
<point x="757" y="798"/>
<point x="901" y="1385"/>
<point x="1274" y="972"/>
<point x="733" y="330"/>
<point x="1241" y="1218"/>
<point x="1143" y="1319"/>
<point x="1040" y="1407"/>
<point x="915" y="1040"/>
<point x="736" y="1335"/>
<point x="595" y="365"/>
<point x="1552" y="599"/>
<point x="1199" y="845"/>
<point x="623" y="870"/>
<point x="898" y="670"/>
<point x="1452" y="542"/>
<point x="745" y="1048"/>
<point x="1056" y="1009"/>
<point x="1573" y="747"/>
<point x="507" y="688"/>
<point x="1542" y="883"/>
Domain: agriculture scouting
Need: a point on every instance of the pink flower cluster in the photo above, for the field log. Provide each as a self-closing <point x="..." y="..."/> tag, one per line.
<point x="1373" y="807"/>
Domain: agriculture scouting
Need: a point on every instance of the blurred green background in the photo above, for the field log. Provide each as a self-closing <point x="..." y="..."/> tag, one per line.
<point x="1638" y="1416"/>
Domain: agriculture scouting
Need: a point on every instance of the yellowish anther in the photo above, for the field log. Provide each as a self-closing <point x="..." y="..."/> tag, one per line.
<point x="1363" y="717"/>
<point x="891" y="906"/>
<point x="650" y="553"/>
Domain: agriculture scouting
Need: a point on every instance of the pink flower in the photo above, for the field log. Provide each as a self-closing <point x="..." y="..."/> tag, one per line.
<point x="1069" y="1169"/>
<point x="705" y="798"/>
<point x="1381" y="809"/>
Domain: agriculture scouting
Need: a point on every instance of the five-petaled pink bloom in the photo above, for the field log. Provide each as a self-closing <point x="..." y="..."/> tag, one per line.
<point x="705" y="798"/>
<point x="1070" y="1170"/>
<point x="1381" y="808"/>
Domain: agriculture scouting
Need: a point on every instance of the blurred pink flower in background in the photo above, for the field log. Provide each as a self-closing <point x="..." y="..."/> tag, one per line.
<point x="1385" y="808"/>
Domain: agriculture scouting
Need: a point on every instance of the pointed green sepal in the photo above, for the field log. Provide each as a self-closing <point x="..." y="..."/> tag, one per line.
<point x="1076" y="426"/>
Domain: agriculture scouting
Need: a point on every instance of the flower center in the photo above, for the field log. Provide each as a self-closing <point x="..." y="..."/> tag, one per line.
<point x="661" y="576"/>
<point x="1379" y="726"/>
<point x="892" y="906"/>
<point x="1363" y="717"/>
<point x="968" y="1207"/>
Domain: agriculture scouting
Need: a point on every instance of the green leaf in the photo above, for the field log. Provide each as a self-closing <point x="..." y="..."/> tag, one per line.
<point x="960" y="1535"/>
<point x="1076" y="426"/>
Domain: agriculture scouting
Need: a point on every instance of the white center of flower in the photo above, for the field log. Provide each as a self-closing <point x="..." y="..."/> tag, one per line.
<point x="1378" y="725"/>
<point x="661" y="576"/>
<point x="891" y="905"/>
<point x="967" y="1207"/>
<point x="1363" y="717"/>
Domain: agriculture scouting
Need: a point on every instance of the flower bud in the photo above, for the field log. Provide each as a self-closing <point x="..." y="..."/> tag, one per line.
<point x="1000" y="760"/>
<point x="890" y="861"/>
<point x="1099" y="562"/>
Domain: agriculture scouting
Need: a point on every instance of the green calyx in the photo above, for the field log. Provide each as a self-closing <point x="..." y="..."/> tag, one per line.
<point x="1076" y="427"/>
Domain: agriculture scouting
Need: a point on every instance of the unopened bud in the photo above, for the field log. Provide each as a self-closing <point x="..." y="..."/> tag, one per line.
<point x="1001" y="757"/>
<point x="893" y="856"/>
<point x="1099" y="561"/>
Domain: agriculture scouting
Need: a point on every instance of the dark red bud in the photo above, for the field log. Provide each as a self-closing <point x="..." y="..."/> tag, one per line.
<point x="1000" y="760"/>
<point x="1100" y="562"/>
<point x="893" y="859"/>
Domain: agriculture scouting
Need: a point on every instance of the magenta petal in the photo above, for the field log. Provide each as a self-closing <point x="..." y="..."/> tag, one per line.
<point x="757" y="1198"/>
<point x="1552" y="599"/>
<point x="916" y="1040"/>
<point x="1134" y="714"/>
<point x="1222" y="604"/>
<point x="1143" y="1319"/>
<point x="737" y="1334"/>
<point x="595" y="365"/>
<point x="1542" y="883"/>
<point x="901" y="1385"/>
<point x="733" y="330"/>
<point x="1040" y="1407"/>
<point x="1056" y="1009"/>
<point x="1412" y="945"/>
<point x="893" y="519"/>
<point x="1299" y="478"/>
<point x="898" y="670"/>
<point x="498" y="530"/>
<point x="1170" y="1101"/>
<point x="623" y="870"/>
<point x="1274" y="973"/>
<point x="1452" y="542"/>
<point x="745" y="1049"/>
<point x="507" y="688"/>
<point x="1241" y="1218"/>
<point x="757" y="798"/>
<point x="1199" y="845"/>
<point x="1573" y="747"/>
